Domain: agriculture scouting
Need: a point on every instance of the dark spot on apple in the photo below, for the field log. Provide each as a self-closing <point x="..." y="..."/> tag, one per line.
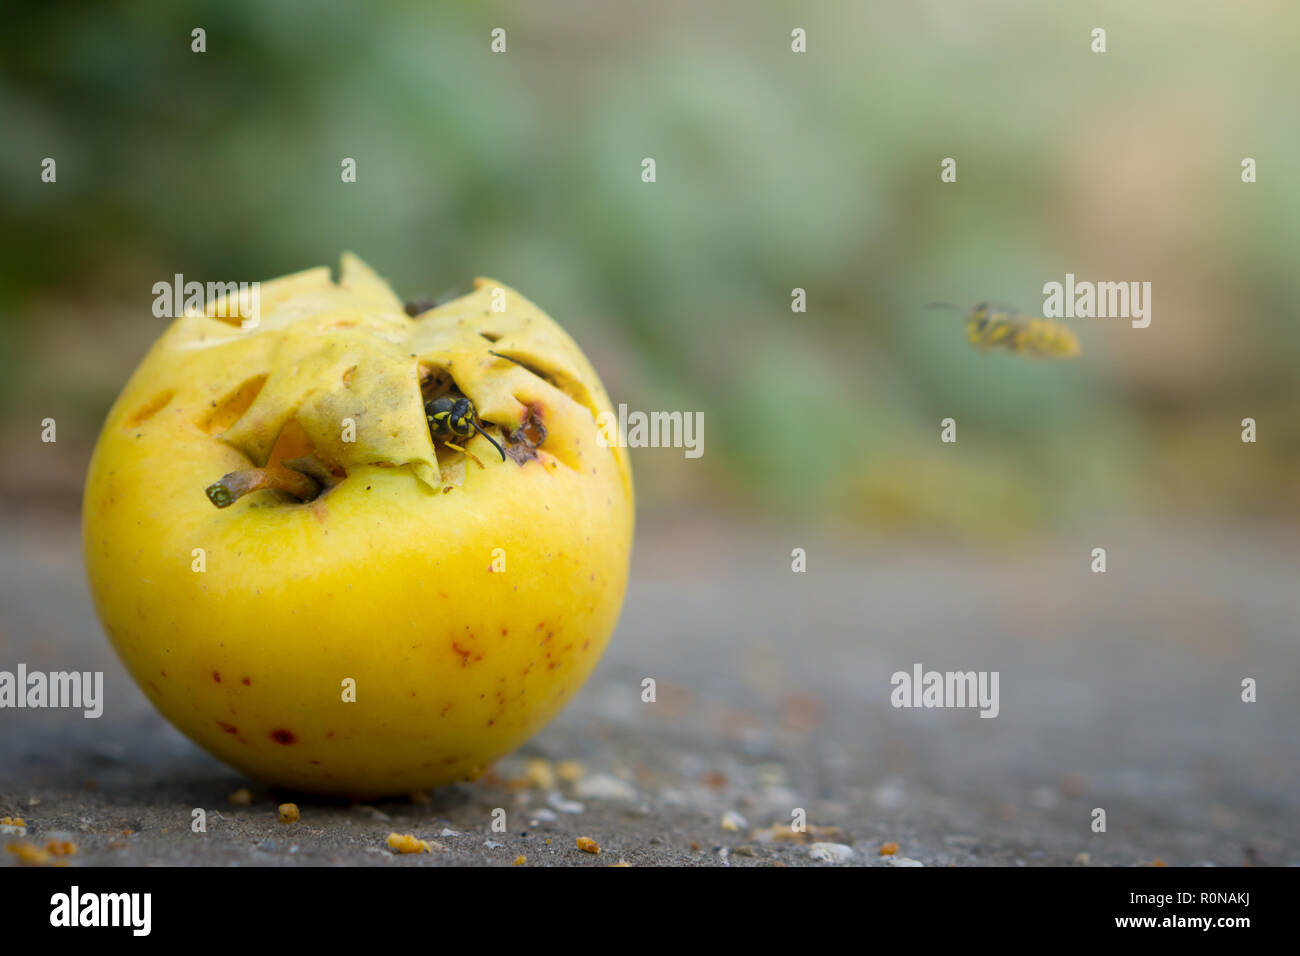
<point x="228" y="728"/>
<point x="216" y="676"/>
<point x="247" y="683"/>
<point x="283" y="736"/>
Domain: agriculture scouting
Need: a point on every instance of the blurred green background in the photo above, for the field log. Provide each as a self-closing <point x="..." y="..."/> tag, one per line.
<point x="775" y="171"/>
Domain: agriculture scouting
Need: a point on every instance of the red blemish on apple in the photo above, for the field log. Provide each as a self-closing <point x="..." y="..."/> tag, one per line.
<point x="281" y="736"/>
<point x="246" y="682"/>
<point x="216" y="676"/>
<point x="228" y="728"/>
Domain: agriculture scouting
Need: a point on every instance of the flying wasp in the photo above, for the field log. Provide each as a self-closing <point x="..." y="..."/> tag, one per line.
<point x="989" y="326"/>
<point x="455" y="417"/>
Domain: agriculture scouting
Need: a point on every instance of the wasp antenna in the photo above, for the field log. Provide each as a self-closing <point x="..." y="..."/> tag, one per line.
<point x="499" y="449"/>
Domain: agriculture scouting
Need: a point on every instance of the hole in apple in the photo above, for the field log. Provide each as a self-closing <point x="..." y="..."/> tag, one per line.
<point x="491" y="336"/>
<point x="149" y="410"/>
<point x="522" y="443"/>
<point x="230" y="409"/>
<point x="437" y="383"/>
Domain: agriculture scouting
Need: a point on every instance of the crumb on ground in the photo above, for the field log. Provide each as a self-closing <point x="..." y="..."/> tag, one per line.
<point x="406" y="843"/>
<point x="29" y="854"/>
<point x="61" y="847"/>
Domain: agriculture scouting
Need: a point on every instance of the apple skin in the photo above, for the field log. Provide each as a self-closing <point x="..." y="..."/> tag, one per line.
<point x="246" y="626"/>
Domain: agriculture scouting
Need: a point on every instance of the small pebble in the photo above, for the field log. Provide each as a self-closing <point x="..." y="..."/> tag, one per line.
<point x="557" y="801"/>
<point x="904" y="861"/>
<point x="603" y="786"/>
<point x="588" y="845"/>
<point x="731" y="820"/>
<point x="288" y="812"/>
<point x="831" y="852"/>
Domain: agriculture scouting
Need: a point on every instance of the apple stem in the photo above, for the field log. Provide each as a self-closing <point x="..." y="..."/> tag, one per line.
<point x="230" y="488"/>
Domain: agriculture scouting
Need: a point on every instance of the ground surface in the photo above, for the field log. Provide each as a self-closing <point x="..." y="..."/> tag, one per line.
<point x="1119" y="691"/>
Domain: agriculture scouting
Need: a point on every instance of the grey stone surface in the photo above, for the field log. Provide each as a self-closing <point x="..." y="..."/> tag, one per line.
<point x="1119" y="691"/>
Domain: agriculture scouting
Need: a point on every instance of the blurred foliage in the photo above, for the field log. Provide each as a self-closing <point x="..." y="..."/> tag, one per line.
<point x="775" y="171"/>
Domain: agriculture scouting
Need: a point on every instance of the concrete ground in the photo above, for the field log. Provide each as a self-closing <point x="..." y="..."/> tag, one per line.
<point x="1119" y="691"/>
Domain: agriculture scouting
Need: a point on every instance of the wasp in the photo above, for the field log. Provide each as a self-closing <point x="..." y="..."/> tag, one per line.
<point x="989" y="326"/>
<point x="455" y="417"/>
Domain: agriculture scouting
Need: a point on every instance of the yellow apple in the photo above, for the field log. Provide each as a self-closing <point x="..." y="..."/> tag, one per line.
<point x="396" y="607"/>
